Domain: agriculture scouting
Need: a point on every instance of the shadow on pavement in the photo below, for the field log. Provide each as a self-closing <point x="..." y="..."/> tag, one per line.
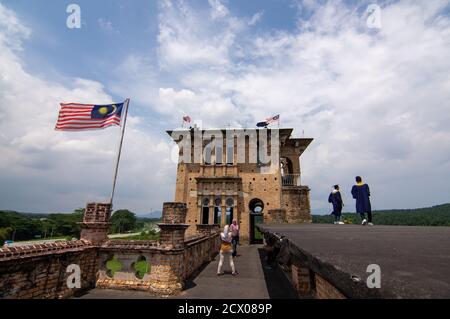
<point x="278" y="286"/>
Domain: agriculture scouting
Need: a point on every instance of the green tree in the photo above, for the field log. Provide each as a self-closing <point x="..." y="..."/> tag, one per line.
<point x="4" y="234"/>
<point x="122" y="221"/>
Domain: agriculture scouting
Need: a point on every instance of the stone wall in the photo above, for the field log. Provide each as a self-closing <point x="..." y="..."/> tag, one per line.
<point x="306" y="274"/>
<point x="202" y="249"/>
<point x="159" y="267"/>
<point x="278" y="215"/>
<point x="168" y="263"/>
<point x="296" y="202"/>
<point x="325" y="290"/>
<point x="118" y="267"/>
<point x="39" y="271"/>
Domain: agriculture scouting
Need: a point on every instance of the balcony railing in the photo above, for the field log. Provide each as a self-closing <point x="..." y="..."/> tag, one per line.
<point x="291" y="180"/>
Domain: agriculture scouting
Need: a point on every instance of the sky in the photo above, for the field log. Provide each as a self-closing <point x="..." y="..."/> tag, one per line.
<point x="376" y="100"/>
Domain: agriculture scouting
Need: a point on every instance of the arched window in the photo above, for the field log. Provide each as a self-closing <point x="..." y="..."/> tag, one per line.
<point x="256" y="206"/>
<point x="230" y="203"/>
<point x="205" y="211"/>
<point x="217" y="210"/>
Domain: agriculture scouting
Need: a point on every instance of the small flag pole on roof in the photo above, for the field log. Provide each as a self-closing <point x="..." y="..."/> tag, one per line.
<point x="126" y="104"/>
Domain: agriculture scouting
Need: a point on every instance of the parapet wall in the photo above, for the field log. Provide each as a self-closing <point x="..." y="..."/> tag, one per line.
<point x="311" y="276"/>
<point x="159" y="267"/>
<point x="40" y="271"/>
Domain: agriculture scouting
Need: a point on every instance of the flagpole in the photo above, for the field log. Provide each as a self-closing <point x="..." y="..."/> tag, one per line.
<point x="126" y="104"/>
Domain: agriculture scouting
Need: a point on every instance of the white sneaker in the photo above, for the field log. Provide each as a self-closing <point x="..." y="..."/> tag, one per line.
<point x="370" y="224"/>
<point x="364" y="222"/>
<point x="341" y="223"/>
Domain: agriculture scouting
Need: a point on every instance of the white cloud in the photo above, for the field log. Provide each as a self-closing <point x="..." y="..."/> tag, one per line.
<point x="106" y="26"/>
<point x="218" y="10"/>
<point x="44" y="170"/>
<point x="375" y="102"/>
<point x="256" y="18"/>
<point x="13" y="32"/>
<point x="189" y="37"/>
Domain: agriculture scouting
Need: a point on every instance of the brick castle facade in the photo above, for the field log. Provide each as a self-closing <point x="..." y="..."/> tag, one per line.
<point x="222" y="175"/>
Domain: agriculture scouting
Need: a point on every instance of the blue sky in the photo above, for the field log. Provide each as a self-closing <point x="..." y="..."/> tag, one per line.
<point x="375" y="100"/>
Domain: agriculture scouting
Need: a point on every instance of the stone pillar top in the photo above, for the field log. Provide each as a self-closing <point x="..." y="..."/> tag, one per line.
<point x="97" y="213"/>
<point x="174" y="213"/>
<point x="96" y="222"/>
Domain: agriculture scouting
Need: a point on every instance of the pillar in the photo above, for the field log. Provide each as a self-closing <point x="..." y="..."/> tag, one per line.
<point x="173" y="225"/>
<point x="95" y="223"/>
<point x="224" y="216"/>
<point x="170" y="270"/>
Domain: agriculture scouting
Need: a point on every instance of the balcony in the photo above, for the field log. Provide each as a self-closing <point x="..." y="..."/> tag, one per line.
<point x="291" y="180"/>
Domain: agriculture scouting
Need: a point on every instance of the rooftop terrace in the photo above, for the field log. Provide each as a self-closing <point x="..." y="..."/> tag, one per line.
<point x="414" y="261"/>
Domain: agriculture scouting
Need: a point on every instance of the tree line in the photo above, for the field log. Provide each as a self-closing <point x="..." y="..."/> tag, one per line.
<point x="27" y="226"/>
<point x="431" y="216"/>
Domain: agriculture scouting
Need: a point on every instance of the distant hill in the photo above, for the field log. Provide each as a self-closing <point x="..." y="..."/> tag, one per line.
<point x="152" y="215"/>
<point x="430" y="216"/>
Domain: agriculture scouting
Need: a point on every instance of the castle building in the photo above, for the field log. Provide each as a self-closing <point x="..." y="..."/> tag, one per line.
<point x="251" y="175"/>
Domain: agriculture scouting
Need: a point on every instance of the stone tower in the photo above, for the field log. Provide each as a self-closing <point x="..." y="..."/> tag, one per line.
<point x="252" y="175"/>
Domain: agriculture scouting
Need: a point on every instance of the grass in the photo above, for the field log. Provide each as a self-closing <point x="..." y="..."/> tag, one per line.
<point x="141" y="236"/>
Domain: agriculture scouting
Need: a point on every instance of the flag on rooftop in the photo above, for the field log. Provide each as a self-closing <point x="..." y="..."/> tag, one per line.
<point x="75" y="116"/>
<point x="187" y="119"/>
<point x="273" y="119"/>
<point x="269" y="120"/>
<point x="262" y="124"/>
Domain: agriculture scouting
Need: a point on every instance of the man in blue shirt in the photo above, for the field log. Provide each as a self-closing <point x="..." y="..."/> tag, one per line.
<point x="361" y="193"/>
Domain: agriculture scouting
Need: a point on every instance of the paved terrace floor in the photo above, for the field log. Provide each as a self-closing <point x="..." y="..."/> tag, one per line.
<point x="414" y="261"/>
<point x="253" y="281"/>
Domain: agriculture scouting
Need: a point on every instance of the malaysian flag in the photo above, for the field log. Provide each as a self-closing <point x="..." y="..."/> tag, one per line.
<point x="75" y="116"/>
<point x="273" y="119"/>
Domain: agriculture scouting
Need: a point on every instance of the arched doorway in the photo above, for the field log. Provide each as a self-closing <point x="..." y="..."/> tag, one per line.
<point x="256" y="207"/>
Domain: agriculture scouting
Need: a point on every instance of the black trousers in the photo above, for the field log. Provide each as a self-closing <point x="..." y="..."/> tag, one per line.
<point x="235" y="242"/>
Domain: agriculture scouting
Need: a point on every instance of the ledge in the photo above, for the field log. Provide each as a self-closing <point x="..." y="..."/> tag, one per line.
<point x="36" y="250"/>
<point x="414" y="261"/>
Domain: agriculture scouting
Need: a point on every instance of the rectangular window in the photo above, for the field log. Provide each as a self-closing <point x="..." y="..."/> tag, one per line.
<point x="218" y="154"/>
<point x="207" y="154"/>
<point x="217" y="215"/>
<point x="230" y="155"/>
<point x="205" y="215"/>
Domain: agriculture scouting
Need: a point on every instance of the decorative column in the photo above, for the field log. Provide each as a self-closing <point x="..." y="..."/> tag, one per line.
<point x="211" y="211"/>
<point x="95" y="223"/>
<point x="168" y="274"/>
<point x="224" y="216"/>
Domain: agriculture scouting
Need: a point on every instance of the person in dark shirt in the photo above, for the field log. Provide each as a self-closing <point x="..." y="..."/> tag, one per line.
<point x="336" y="199"/>
<point x="361" y="193"/>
